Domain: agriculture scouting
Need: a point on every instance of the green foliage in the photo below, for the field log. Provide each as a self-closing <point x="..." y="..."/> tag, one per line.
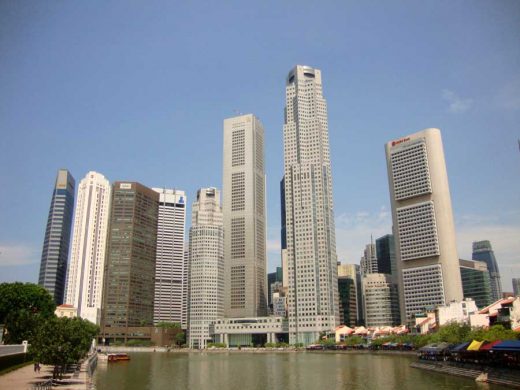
<point x="298" y="345"/>
<point x="327" y="342"/>
<point x="139" y="343"/>
<point x="168" y="325"/>
<point x="62" y="341"/>
<point x="452" y="333"/>
<point x="217" y="345"/>
<point x="22" y="307"/>
<point x="494" y="333"/>
<point x="180" y="338"/>
<point x="270" y="345"/>
<point x="354" y="340"/>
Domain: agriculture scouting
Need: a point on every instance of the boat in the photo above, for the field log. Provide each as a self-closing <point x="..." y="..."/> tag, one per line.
<point x="116" y="357"/>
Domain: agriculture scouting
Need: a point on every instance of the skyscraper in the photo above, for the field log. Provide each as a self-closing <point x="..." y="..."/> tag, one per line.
<point x="311" y="244"/>
<point x="244" y="217"/>
<point x="353" y="271"/>
<point x="482" y="251"/>
<point x="128" y="290"/>
<point x="53" y="266"/>
<point x="87" y="257"/>
<point x="426" y="251"/>
<point x="206" y="266"/>
<point x="516" y="286"/>
<point x="385" y="250"/>
<point x="380" y="300"/>
<point x="170" y="297"/>
<point x="476" y="282"/>
<point x="369" y="260"/>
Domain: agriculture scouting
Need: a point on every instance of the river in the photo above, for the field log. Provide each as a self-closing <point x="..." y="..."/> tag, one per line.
<point x="272" y="370"/>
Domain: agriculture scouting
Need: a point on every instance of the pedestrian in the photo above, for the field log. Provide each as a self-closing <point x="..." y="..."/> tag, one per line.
<point x="38" y="367"/>
<point x="35" y="367"/>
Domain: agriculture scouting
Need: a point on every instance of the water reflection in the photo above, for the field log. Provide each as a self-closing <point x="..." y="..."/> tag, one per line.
<point x="258" y="371"/>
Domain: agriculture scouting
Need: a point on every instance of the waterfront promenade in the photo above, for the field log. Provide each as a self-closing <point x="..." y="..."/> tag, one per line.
<point x="25" y="378"/>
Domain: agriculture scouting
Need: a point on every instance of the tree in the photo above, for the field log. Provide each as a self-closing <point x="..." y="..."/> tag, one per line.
<point x="62" y="341"/>
<point x="22" y="307"/>
<point x="168" y="325"/>
<point x="180" y="338"/>
<point x="494" y="333"/>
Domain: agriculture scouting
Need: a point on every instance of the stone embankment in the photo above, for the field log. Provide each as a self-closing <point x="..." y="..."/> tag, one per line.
<point x="499" y="376"/>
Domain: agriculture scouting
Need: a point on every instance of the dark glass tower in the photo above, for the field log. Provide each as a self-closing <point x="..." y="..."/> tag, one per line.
<point x="53" y="267"/>
<point x="482" y="251"/>
<point x="347" y="301"/>
<point x="385" y="249"/>
<point x="475" y="282"/>
<point x="128" y="294"/>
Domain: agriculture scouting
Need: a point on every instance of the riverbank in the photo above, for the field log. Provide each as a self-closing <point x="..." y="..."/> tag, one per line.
<point x="498" y="376"/>
<point x="26" y="378"/>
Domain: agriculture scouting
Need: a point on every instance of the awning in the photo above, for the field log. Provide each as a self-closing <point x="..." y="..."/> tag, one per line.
<point x="488" y="345"/>
<point x="475" y="345"/>
<point x="508" y="345"/>
<point x="460" y="347"/>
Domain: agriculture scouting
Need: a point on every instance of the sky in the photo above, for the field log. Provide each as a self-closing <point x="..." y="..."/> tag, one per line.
<point x="138" y="91"/>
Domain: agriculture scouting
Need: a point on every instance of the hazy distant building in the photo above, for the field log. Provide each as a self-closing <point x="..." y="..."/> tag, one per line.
<point x="206" y="266"/>
<point x="475" y="282"/>
<point x="385" y="253"/>
<point x="516" y="286"/>
<point x="311" y="243"/>
<point x="87" y="256"/>
<point x="53" y="266"/>
<point x="426" y="251"/>
<point x="171" y="269"/>
<point x="369" y="260"/>
<point x="244" y="217"/>
<point x="128" y="296"/>
<point x="482" y="251"/>
<point x="380" y="300"/>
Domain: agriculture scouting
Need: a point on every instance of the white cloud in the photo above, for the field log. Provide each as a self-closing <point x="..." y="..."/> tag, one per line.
<point x="17" y="254"/>
<point x="456" y="103"/>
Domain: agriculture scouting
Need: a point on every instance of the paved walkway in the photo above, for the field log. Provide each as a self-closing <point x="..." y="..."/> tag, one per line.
<point x="25" y="377"/>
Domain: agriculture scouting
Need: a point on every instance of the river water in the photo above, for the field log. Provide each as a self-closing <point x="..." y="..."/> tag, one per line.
<point x="272" y="370"/>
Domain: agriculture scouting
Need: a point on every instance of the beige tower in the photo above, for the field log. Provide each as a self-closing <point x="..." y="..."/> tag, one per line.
<point x="426" y="251"/>
<point x="244" y="217"/>
<point x="311" y="245"/>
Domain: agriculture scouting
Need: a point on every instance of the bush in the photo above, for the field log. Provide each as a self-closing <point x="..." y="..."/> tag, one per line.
<point x="140" y="343"/>
<point x="217" y="345"/>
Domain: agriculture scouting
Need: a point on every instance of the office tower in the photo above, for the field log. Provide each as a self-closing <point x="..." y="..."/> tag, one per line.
<point x="482" y="251"/>
<point x="311" y="244"/>
<point x="475" y="282"/>
<point x="369" y="260"/>
<point x="385" y="253"/>
<point x="381" y="301"/>
<point x="424" y="232"/>
<point x="128" y="290"/>
<point x="283" y="236"/>
<point x="274" y="283"/>
<point x="206" y="266"/>
<point x="53" y="266"/>
<point x="171" y="271"/>
<point x="353" y="271"/>
<point x="244" y="217"/>
<point x="516" y="286"/>
<point x="347" y="301"/>
<point x="87" y="257"/>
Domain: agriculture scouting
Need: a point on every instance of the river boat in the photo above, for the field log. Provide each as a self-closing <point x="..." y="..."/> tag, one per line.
<point x="118" y="357"/>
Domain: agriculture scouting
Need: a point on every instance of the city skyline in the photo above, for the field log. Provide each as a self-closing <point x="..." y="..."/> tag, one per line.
<point x="478" y="114"/>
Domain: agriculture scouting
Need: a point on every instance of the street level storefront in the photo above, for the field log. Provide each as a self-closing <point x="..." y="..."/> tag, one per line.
<point x="244" y="332"/>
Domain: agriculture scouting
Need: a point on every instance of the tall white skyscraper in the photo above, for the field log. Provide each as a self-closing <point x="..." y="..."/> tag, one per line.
<point x="369" y="260"/>
<point x="310" y="232"/>
<point x="206" y="266"/>
<point x="244" y="217"/>
<point x="87" y="257"/>
<point x="170" y="296"/>
<point x="426" y="251"/>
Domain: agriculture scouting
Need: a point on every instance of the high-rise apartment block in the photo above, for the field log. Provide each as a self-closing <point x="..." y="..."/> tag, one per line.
<point x="482" y="251"/>
<point x="87" y="257"/>
<point x="206" y="266"/>
<point x="310" y="232"/>
<point x="128" y="292"/>
<point x="475" y="282"/>
<point x="171" y="270"/>
<point x="380" y="298"/>
<point x="244" y="217"/>
<point x="426" y="251"/>
<point x="53" y="266"/>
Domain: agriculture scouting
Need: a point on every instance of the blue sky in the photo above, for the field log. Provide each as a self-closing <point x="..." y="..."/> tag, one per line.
<point x="139" y="90"/>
